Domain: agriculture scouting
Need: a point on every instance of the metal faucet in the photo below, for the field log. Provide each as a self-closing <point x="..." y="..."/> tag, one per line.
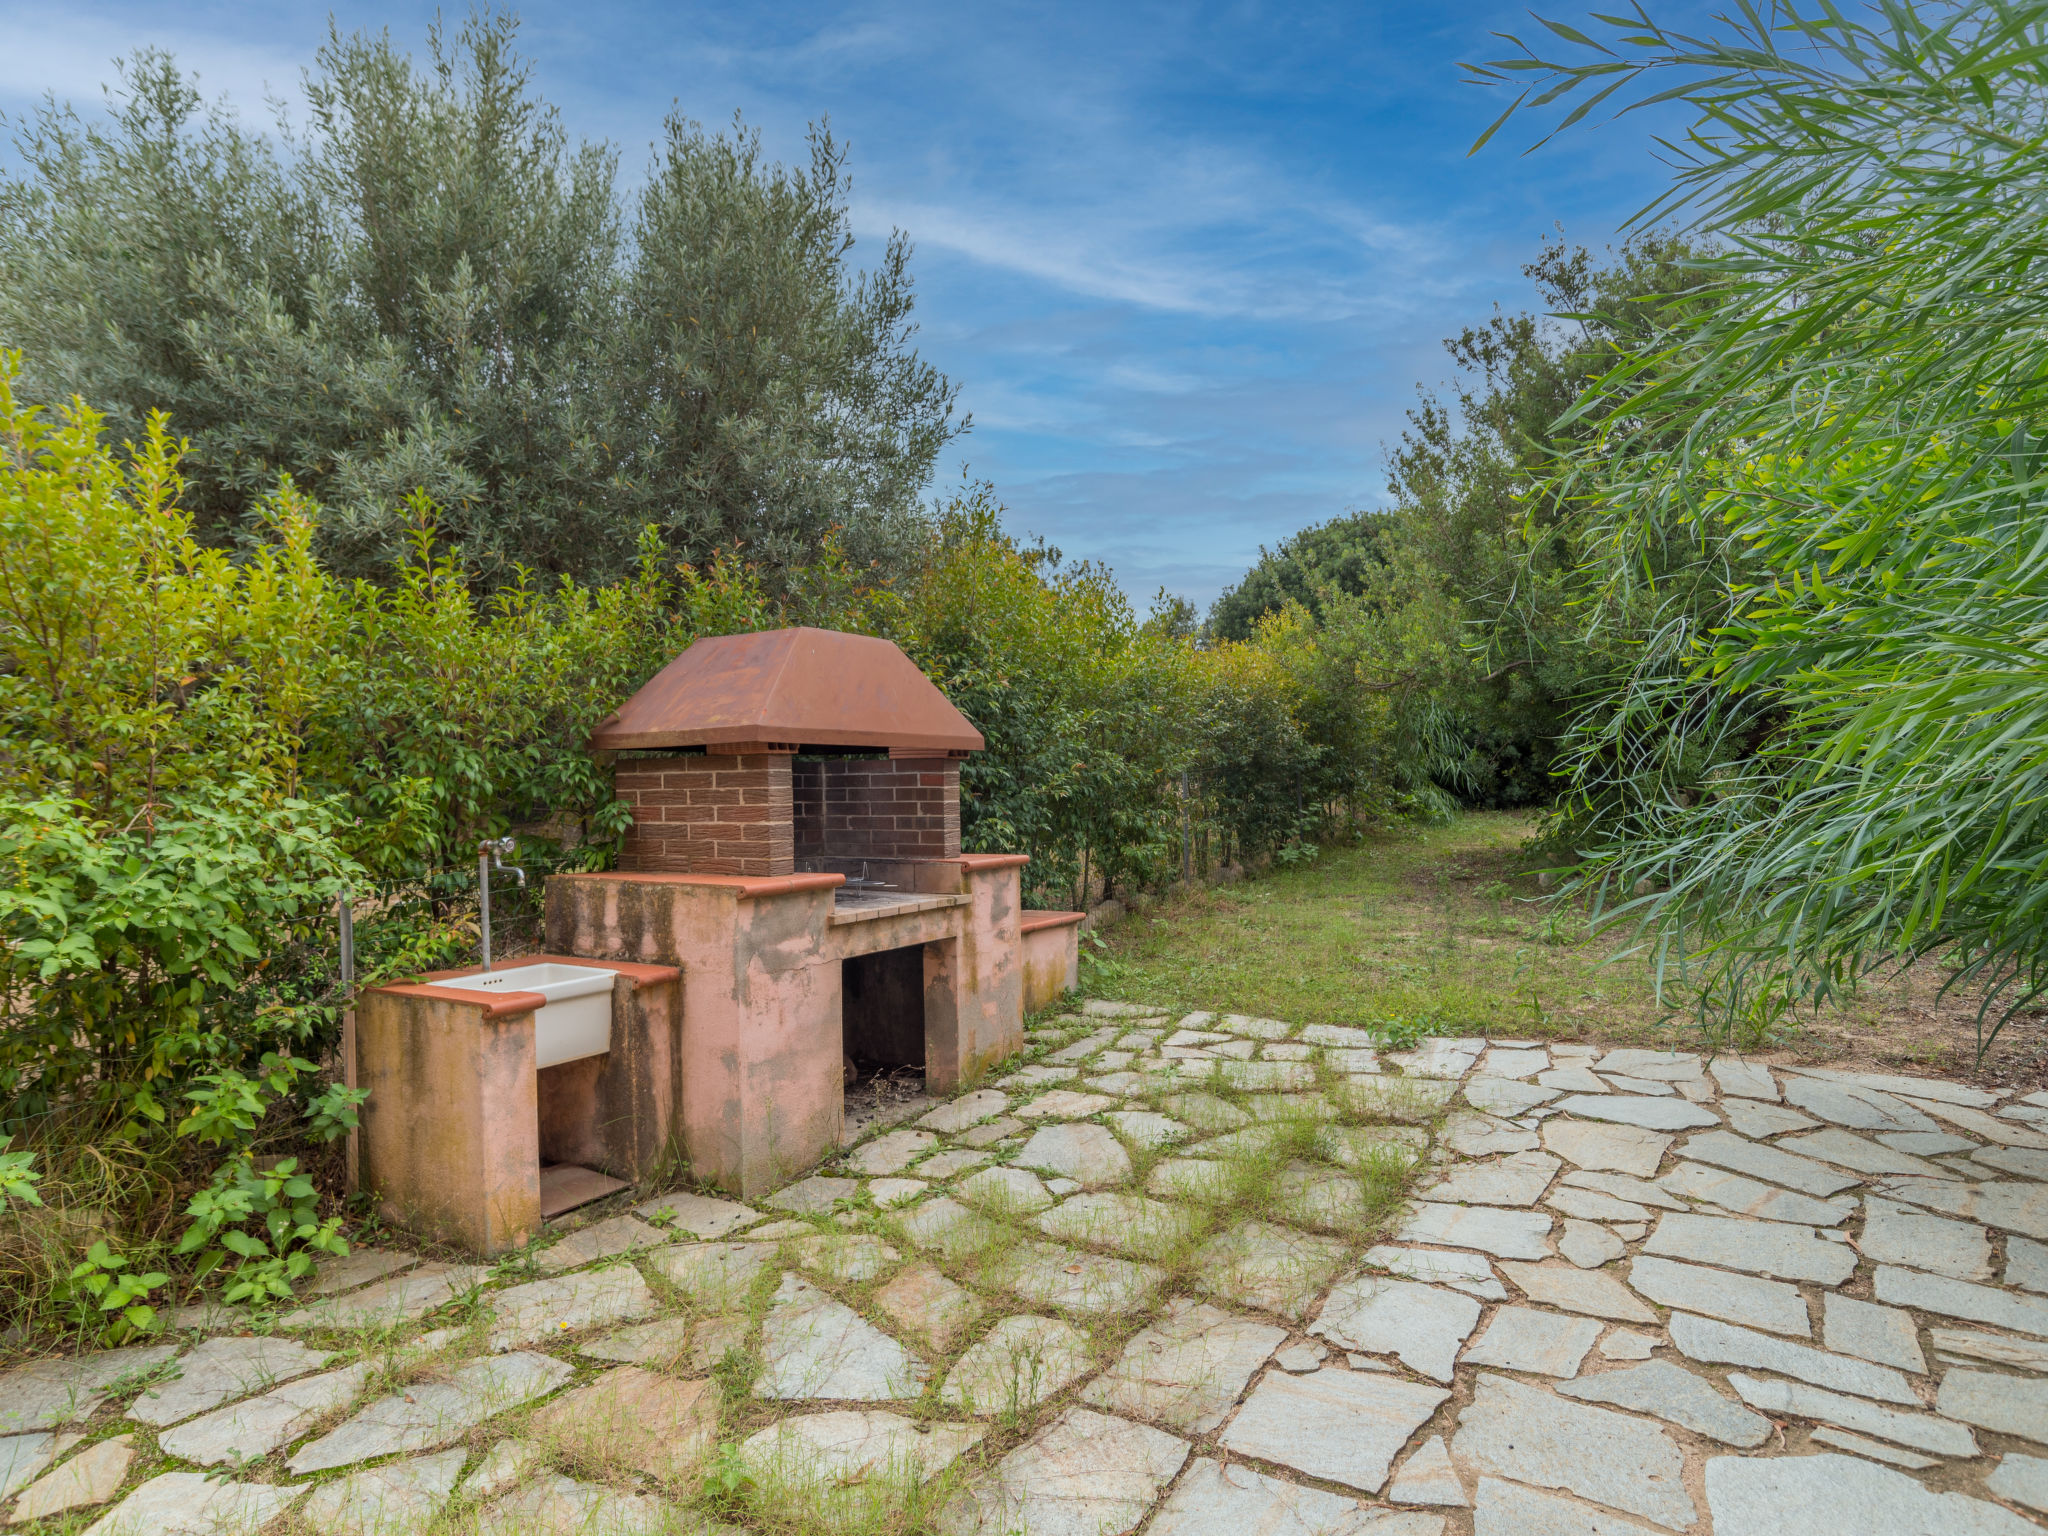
<point x="489" y="852"/>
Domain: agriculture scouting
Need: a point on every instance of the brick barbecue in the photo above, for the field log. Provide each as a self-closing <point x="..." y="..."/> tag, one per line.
<point x="791" y="901"/>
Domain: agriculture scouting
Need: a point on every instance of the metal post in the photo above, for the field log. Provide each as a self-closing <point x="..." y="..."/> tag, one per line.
<point x="483" y="889"/>
<point x="351" y="1153"/>
<point x="1187" y="842"/>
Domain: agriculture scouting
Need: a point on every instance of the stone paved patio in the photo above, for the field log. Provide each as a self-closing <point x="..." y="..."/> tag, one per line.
<point x="1151" y="1280"/>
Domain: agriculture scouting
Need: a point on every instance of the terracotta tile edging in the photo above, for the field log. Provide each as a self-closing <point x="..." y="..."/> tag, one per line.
<point x="494" y="1005"/>
<point x="1032" y="922"/>
<point x="743" y="887"/>
<point x="976" y="862"/>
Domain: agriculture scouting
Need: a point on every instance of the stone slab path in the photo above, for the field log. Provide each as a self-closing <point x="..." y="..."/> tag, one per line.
<point x="1177" y="1274"/>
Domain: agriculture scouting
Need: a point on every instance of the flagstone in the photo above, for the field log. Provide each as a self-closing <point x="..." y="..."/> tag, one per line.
<point x="52" y="1392"/>
<point x="1625" y="1187"/>
<point x="1130" y="1224"/>
<point x="545" y="1309"/>
<point x="1929" y="1088"/>
<point x="1187" y="1369"/>
<point x="1588" y="1244"/>
<point x="1320" y="1197"/>
<point x="890" y="1153"/>
<point x="1514" y="1430"/>
<point x="93" y="1476"/>
<point x="428" y="1415"/>
<point x="1509" y="1061"/>
<point x="699" y="1215"/>
<point x="713" y="1274"/>
<point x="948" y="1165"/>
<point x="1884" y="1335"/>
<point x="815" y="1347"/>
<point x="193" y="1504"/>
<point x="814" y="1195"/>
<point x="1925" y="1143"/>
<point x="2022" y="1479"/>
<point x="359" y="1266"/>
<point x="1086" y="1046"/>
<point x="1594" y="1205"/>
<point x="1517" y="1180"/>
<point x="2026" y="1264"/>
<point x="1272" y="1268"/>
<point x="1845" y="1150"/>
<point x="1860" y="1108"/>
<point x="1507" y="1234"/>
<point x="950" y="1228"/>
<point x="1354" y="1061"/>
<point x="1922" y="1431"/>
<point x="1339" y="1035"/>
<point x="889" y="1193"/>
<point x="1037" y="1077"/>
<point x="852" y="1259"/>
<point x="1087" y="1474"/>
<point x="561" y="1506"/>
<point x="2015" y="1205"/>
<point x="1146" y="1129"/>
<point x="1052" y="1276"/>
<point x="1592" y="1293"/>
<point x="1631" y="1109"/>
<point x="1476" y="1135"/>
<point x="1676" y="1395"/>
<point x="1659" y="1066"/>
<point x="221" y="1370"/>
<point x="1215" y="1499"/>
<point x="1637" y="1086"/>
<point x="1750" y="1197"/>
<point x="255" y="1427"/>
<point x="1751" y="1117"/>
<point x="965" y="1112"/>
<point x="2006" y="1405"/>
<point x="1957" y="1298"/>
<point x="1192" y="1178"/>
<point x="1996" y="1348"/>
<point x="634" y="1419"/>
<point x="1621" y="1148"/>
<point x="1841" y="1496"/>
<point x="1017" y="1365"/>
<point x="844" y="1448"/>
<point x="924" y="1302"/>
<point x="1287" y="1075"/>
<point x="1467" y="1272"/>
<point x="1743" y="1079"/>
<point x="1774" y="1248"/>
<point x="1900" y="1234"/>
<point x="1407" y="1098"/>
<point x="1088" y="1154"/>
<point x="1505" y="1095"/>
<point x="2027" y="1164"/>
<point x="1726" y="1150"/>
<point x="1428" y="1478"/>
<point x="504" y="1466"/>
<point x="1627" y="1344"/>
<point x="396" y="1500"/>
<point x="1508" y="1509"/>
<point x="1575" y="1078"/>
<point x="998" y="1129"/>
<point x="1717" y="1343"/>
<point x="1524" y="1339"/>
<point x="1342" y="1426"/>
<point x="1734" y="1298"/>
<point x="1007" y="1191"/>
<point x="1422" y="1325"/>
<point x="604" y="1240"/>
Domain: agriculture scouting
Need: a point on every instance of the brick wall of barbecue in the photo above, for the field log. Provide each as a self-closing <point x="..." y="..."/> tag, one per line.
<point x="877" y="808"/>
<point x="707" y="815"/>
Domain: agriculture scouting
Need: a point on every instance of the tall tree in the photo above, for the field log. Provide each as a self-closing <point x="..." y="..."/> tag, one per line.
<point x="424" y="284"/>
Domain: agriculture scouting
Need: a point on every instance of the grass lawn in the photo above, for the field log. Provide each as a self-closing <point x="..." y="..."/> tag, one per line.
<point x="1444" y="930"/>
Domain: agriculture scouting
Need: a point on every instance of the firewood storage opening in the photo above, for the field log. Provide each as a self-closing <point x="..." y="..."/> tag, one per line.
<point x="882" y="1015"/>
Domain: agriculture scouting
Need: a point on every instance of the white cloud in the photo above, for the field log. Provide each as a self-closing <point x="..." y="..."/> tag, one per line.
<point x="70" y="52"/>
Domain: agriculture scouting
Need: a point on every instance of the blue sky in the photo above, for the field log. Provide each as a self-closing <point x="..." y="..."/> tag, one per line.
<point x="1187" y="262"/>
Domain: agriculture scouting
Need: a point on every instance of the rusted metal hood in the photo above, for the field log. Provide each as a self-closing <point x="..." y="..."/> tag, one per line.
<point x="802" y="687"/>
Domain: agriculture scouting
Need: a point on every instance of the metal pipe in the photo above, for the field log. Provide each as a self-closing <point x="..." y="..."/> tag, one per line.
<point x="489" y="853"/>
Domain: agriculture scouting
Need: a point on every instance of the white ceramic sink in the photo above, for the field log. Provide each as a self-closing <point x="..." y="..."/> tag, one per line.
<point x="576" y="1020"/>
